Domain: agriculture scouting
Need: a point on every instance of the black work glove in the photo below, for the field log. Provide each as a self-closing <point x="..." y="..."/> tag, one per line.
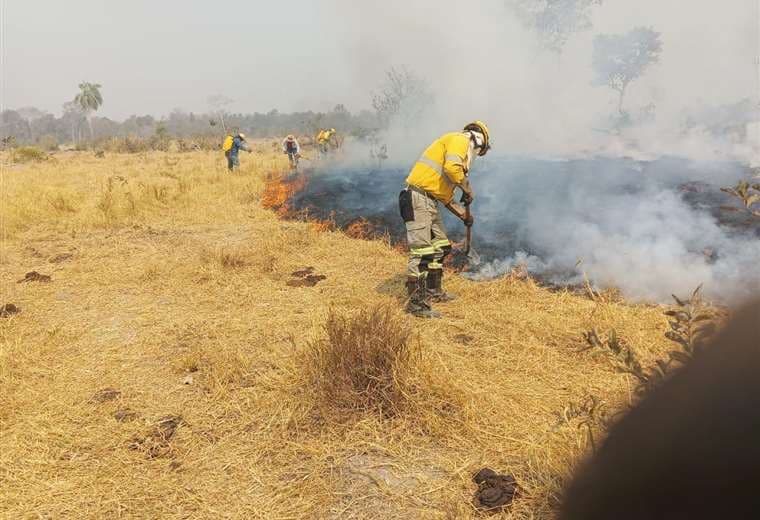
<point x="466" y="198"/>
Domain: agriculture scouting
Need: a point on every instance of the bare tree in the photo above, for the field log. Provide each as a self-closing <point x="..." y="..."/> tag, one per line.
<point x="73" y="116"/>
<point x="218" y="104"/>
<point x="620" y="59"/>
<point x="403" y="96"/>
<point x="30" y="115"/>
<point x="555" y="21"/>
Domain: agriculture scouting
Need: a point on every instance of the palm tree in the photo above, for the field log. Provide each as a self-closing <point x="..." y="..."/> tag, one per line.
<point x="89" y="100"/>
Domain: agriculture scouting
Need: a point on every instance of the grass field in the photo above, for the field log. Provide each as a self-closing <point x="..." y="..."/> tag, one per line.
<point x="169" y="290"/>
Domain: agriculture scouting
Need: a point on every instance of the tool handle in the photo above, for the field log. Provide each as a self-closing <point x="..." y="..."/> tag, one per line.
<point x="468" y="235"/>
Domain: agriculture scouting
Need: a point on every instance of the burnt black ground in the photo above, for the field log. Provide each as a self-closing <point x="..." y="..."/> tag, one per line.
<point x="508" y="188"/>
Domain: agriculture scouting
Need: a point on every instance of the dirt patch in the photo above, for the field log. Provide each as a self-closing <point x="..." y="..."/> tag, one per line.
<point x="305" y="278"/>
<point x="34" y="276"/>
<point x="105" y="395"/>
<point x="463" y="339"/>
<point x="301" y="273"/>
<point x="60" y="257"/>
<point x="380" y="471"/>
<point x="156" y="442"/>
<point x="124" y="415"/>
<point x="309" y="281"/>
<point x="371" y="479"/>
<point x="33" y="251"/>
<point x="495" y="491"/>
<point x="9" y="309"/>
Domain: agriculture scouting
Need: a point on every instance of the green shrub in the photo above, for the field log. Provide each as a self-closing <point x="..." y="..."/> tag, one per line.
<point x="25" y="154"/>
<point x="48" y="142"/>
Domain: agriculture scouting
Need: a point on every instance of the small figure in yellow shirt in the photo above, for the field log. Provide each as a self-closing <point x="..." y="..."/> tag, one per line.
<point x="323" y="141"/>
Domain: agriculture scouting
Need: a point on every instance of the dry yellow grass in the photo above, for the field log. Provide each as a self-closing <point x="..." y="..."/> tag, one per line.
<point x="169" y="285"/>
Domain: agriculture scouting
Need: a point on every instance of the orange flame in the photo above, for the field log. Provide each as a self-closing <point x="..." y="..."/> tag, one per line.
<point x="363" y="229"/>
<point x="279" y="190"/>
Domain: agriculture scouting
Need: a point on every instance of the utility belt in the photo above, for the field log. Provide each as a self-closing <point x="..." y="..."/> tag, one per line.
<point x="405" y="201"/>
<point x="421" y="191"/>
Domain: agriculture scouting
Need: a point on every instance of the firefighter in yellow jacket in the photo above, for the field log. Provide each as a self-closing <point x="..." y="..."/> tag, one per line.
<point x="442" y="168"/>
<point x="323" y="141"/>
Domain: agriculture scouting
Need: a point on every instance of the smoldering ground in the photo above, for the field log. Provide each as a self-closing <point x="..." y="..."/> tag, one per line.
<point x="649" y="228"/>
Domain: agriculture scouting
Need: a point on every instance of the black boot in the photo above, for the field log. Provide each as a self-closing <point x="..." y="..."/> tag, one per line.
<point x="418" y="303"/>
<point x="435" y="287"/>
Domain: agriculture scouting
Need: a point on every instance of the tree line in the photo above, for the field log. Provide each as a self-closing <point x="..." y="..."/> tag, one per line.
<point x="31" y="126"/>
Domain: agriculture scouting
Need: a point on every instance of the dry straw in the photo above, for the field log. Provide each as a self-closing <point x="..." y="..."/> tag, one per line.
<point x="240" y="396"/>
<point x="360" y="363"/>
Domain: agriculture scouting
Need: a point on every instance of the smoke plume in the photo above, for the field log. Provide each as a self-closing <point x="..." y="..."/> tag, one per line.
<point x="564" y="192"/>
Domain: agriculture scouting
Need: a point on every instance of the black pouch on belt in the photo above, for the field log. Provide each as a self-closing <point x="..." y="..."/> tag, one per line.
<point x="405" y="205"/>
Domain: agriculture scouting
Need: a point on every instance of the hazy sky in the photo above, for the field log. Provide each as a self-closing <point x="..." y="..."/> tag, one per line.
<point x="153" y="56"/>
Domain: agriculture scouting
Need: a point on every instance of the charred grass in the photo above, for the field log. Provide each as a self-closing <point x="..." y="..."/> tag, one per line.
<point x="233" y="394"/>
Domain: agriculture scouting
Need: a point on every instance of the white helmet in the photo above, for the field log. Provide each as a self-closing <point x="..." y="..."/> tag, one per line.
<point x="241" y="135"/>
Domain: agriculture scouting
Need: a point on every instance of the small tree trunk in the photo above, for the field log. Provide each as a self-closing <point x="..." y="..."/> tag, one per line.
<point x="89" y="124"/>
<point x="621" y="99"/>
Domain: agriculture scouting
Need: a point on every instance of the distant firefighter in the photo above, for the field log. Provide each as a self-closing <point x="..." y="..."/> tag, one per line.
<point x="323" y="140"/>
<point x="233" y="143"/>
<point x="291" y="147"/>
<point x="441" y="168"/>
<point x="378" y="154"/>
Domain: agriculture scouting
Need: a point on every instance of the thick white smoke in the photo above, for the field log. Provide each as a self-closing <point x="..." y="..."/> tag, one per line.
<point x="483" y="62"/>
<point x="624" y="225"/>
<point x="629" y="226"/>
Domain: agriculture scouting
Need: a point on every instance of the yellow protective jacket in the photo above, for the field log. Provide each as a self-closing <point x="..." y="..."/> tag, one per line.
<point x="227" y="144"/>
<point x="442" y="166"/>
<point x="324" y="136"/>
